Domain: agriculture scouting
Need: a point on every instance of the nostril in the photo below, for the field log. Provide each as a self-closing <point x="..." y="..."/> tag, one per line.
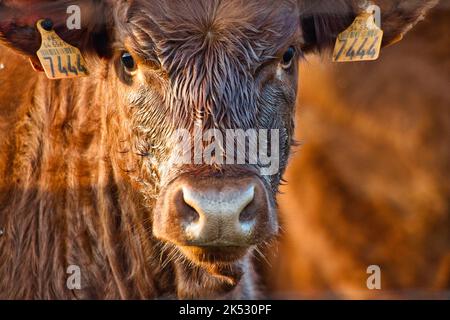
<point x="189" y="214"/>
<point x="248" y="214"/>
<point x="186" y="213"/>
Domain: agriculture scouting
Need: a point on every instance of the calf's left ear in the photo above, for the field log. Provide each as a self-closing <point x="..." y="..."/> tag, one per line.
<point x="18" y="20"/>
<point x="323" y="20"/>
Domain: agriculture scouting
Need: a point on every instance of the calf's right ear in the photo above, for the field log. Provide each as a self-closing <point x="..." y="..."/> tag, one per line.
<point x="18" y="20"/>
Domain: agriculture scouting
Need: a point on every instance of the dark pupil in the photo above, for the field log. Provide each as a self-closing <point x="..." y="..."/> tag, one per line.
<point x="128" y="61"/>
<point x="288" y="55"/>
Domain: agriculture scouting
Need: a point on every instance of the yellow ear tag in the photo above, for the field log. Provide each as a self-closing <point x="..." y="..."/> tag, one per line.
<point x="59" y="59"/>
<point x="360" y="42"/>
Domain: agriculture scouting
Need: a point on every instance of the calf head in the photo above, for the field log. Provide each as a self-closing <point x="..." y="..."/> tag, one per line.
<point x="192" y="78"/>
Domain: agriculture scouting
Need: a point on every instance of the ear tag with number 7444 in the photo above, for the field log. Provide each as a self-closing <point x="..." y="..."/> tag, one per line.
<point x="360" y="42"/>
<point x="59" y="59"/>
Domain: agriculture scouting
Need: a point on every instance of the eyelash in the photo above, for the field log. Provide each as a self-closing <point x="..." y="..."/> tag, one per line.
<point x="288" y="57"/>
<point x="128" y="62"/>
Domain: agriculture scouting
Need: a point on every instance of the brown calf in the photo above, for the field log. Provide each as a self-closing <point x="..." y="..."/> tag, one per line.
<point x="91" y="172"/>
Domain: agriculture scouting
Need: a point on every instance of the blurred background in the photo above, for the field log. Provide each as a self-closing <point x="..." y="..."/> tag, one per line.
<point x="369" y="183"/>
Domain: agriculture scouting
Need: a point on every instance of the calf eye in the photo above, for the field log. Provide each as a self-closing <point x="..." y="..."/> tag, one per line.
<point x="288" y="57"/>
<point x="128" y="62"/>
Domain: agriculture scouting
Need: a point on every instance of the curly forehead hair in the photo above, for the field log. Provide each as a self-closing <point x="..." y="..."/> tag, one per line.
<point x="209" y="50"/>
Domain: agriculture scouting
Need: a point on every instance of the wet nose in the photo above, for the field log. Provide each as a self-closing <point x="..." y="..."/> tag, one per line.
<point x="220" y="213"/>
<point x="216" y="212"/>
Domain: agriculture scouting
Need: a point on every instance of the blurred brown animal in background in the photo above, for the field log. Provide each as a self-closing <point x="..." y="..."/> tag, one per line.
<point x="370" y="182"/>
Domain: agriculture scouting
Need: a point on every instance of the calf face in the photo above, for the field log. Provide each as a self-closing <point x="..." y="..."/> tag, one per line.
<point x="193" y="76"/>
<point x="189" y="75"/>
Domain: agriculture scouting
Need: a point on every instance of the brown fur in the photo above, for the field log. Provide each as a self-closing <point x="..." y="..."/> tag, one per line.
<point x="77" y="186"/>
